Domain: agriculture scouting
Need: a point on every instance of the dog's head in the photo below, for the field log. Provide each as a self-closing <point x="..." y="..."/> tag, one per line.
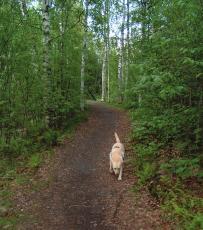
<point x="116" y="167"/>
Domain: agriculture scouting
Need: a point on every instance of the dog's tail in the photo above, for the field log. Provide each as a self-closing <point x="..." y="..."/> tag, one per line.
<point x="117" y="138"/>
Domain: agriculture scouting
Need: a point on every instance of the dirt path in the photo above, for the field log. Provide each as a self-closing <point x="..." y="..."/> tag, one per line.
<point x="83" y="194"/>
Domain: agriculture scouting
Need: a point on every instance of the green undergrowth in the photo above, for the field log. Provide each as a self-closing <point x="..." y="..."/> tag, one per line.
<point x="19" y="165"/>
<point x="171" y="169"/>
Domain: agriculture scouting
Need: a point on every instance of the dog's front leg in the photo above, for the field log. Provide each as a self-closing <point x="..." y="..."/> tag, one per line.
<point x="110" y="169"/>
<point x="120" y="173"/>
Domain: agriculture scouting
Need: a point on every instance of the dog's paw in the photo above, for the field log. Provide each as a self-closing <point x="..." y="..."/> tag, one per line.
<point x="119" y="178"/>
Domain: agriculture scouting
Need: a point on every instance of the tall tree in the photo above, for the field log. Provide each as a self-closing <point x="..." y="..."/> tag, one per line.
<point x="108" y="48"/>
<point x="47" y="47"/>
<point x="128" y="46"/>
<point x="84" y="49"/>
<point x="104" y="71"/>
<point x="121" y="57"/>
<point x="23" y="7"/>
<point x="105" y="66"/>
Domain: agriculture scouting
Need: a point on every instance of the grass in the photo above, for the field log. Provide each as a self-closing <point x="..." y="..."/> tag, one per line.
<point x="18" y="172"/>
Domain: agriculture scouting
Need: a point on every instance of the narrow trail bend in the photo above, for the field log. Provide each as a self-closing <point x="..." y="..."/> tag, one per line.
<point x="82" y="194"/>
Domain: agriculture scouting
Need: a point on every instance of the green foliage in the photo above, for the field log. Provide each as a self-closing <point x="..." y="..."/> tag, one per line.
<point x="182" y="205"/>
<point x="31" y="112"/>
<point x="164" y="96"/>
<point x="184" y="168"/>
<point x="49" y="138"/>
<point x="164" y="92"/>
<point x="146" y="173"/>
<point x="164" y="178"/>
<point x="35" y="160"/>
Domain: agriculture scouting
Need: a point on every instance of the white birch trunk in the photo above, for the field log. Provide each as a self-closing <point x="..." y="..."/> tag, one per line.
<point x="106" y="51"/>
<point x="23" y="8"/>
<point x="82" y="70"/>
<point x="108" y="25"/>
<point x="121" y="58"/>
<point x="108" y="75"/>
<point x="105" y="64"/>
<point x="46" y="39"/>
<point x="144" y="15"/>
<point x="119" y="75"/>
<point x="128" y="47"/>
<point x="62" y="56"/>
<point x="46" y="56"/>
<point x="139" y="99"/>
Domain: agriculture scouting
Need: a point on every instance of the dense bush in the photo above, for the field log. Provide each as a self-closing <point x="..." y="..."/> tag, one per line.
<point x="165" y="100"/>
<point x="34" y="103"/>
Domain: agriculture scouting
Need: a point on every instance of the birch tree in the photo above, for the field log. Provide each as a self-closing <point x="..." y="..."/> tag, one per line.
<point x="121" y="56"/>
<point x="108" y="46"/>
<point x="105" y="66"/>
<point x="82" y="72"/>
<point x="104" y="71"/>
<point x="128" y="46"/>
<point x="47" y="46"/>
<point x="23" y="8"/>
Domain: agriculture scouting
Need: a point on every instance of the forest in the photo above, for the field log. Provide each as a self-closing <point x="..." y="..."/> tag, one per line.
<point x="142" y="55"/>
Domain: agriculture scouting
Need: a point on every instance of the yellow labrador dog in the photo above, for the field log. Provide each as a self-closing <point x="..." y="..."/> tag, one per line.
<point x="117" y="157"/>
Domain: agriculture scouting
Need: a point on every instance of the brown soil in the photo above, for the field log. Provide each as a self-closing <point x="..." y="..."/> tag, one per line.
<point x="82" y="194"/>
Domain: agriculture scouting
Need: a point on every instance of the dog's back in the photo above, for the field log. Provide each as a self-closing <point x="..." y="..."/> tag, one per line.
<point x="118" y="147"/>
<point x="117" y="157"/>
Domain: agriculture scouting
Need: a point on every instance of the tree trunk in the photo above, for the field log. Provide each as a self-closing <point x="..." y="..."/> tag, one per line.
<point x="82" y="71"/>
<point x="105" y="71"/>
<point x="144" y="17"/>
<point x="128" y="47"/>
<point x="46" y="56"/>
<point x="62" y="54"/>
<point x="108" y="76"/>
<point x="23" y="8"/>
<point x="108" y="22"/>
<point x="121" y="57"/>
<point x="119" y="75"/>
